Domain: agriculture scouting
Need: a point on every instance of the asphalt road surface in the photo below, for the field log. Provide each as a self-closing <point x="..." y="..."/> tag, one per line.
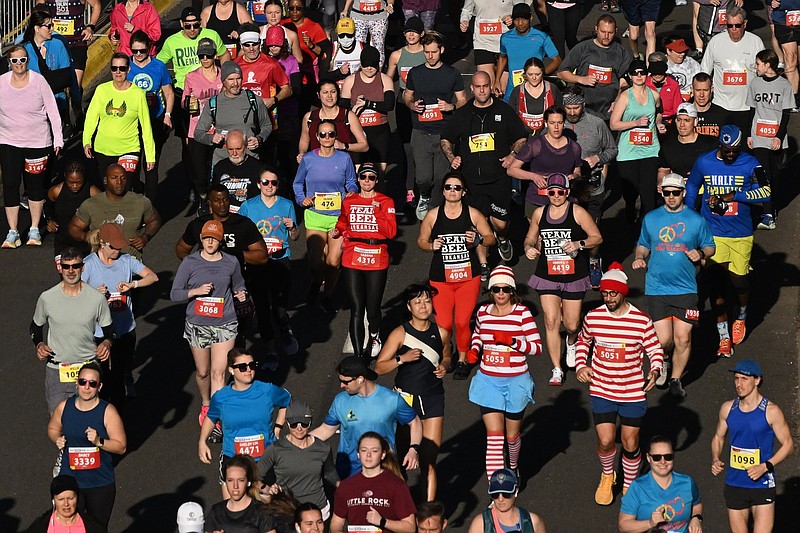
<point x="558" y="460"/>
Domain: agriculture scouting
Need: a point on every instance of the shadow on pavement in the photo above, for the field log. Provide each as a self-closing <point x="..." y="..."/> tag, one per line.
<point x="159" y="512"/>
<point x="7" y="522"/>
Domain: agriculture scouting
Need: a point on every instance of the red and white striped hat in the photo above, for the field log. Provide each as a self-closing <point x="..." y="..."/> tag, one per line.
<point x="615" y="279"/>
<point x="502" y="275"/>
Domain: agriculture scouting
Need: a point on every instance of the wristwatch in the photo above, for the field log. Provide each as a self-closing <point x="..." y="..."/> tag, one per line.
<point x="397" y="358"/>
<point x="100" y="442"/>
<point x="582" y="244"/>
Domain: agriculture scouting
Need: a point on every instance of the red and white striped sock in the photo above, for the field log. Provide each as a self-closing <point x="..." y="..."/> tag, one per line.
<point x="630" y="466"/>
<point x="513" y="451"/>
<point x="494" y="453"/>
<point x="607" y="460"/>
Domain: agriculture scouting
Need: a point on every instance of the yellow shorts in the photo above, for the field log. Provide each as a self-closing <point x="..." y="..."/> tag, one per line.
<point x="734" y="250"/>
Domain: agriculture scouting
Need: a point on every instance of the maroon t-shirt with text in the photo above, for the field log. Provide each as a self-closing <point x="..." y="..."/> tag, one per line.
<point x="386" y="492"/>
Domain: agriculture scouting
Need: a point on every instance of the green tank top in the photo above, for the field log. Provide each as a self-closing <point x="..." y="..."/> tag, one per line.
<point x="407" y="61"/>
<point x="639" y="143"/>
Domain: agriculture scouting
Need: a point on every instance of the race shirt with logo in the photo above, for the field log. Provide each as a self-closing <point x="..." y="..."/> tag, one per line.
<point x="752" y="443"/>
<point x="150" y="78"/>
<point x="270" y="223"/>
<point x="772" y="100"/>
<point x="718" y="178"/>
<point x="367" y="219"/>
<point x="69" y="19"/>
<point x="182" y="51"/>
<point x="518" y="48"/>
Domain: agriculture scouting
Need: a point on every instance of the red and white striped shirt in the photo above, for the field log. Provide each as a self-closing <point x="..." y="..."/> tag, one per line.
<point x="499" y="359"/>
<point x="619" y="346"/>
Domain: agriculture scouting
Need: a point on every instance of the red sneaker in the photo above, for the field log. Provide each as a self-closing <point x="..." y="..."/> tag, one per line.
<point x="738" y="331"/>
<point x="725" y="348"/>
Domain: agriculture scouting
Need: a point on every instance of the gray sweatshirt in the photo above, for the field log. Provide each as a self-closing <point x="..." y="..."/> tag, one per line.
<point x="230" y="115"/>
<point x="594" y="138"/>
<point x="225" y="274"/>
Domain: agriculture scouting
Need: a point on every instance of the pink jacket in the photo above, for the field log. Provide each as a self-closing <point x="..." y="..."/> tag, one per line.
<point x="145" y="18"/>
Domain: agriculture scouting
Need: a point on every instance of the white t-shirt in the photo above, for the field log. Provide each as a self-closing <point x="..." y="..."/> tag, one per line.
<point x="733" y="67"/>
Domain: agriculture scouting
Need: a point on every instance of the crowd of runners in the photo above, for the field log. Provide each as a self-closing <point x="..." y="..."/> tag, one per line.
<point x="286" y="126"/>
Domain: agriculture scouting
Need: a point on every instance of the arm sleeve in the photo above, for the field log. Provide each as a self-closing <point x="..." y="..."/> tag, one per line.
<point x="653" y="348"/>
<point x="693" y="183"/>
<point x="351" y="184"/>
<point x="529" y="343"/>
<point x="37" y="333"/>
<point x="153" y="29"/>
<point x="386" y="105"/>
<point x="179" y="292"/>
<point x="476" y="342"/>
<point x="785" y="116"/>
<point x="753" y="191"/>
<point x="265" y="464"/>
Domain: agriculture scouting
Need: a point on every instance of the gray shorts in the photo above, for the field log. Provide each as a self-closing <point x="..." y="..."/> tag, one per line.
<point x="205" y="336"/>
<point x="54" y="390"/>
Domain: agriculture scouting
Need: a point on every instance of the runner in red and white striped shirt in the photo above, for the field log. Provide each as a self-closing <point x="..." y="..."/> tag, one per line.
<point x="505" y="333"/>
<point x="621" y="334"/>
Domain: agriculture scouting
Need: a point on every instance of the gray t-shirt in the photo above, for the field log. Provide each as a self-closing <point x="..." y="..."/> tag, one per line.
<point x="71" y="322"/>
<point x="769" y="98"/>
<point x="594" y="138"/>
<point x="232" y="114"/>
<point x="217" y="308"/>
<point x="301" y="469"/>
<point x="608" y="65"/>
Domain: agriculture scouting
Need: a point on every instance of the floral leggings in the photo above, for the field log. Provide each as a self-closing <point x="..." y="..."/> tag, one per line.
<point x="374" y="28"/>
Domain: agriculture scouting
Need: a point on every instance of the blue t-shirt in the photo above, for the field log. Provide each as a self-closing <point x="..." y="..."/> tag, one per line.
<point x="269" y="221"/>
<point x="96" y="273"/>
<point x="379" y="412"/>
<point x="518" y="48"/>
<point x="247" y="415"/>
<point x="645" y="495"/>
<point x="718" y="177"/>
<point x="669" y="236"/>
<point x="150" y="78"/>
<point x="324" y="175"/>
<point x="57" y="57"/>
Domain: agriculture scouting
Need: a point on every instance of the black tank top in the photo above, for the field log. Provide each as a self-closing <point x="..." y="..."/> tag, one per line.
<point x="555" y="264"/>
<point x="417" y="377"/>
<point x="64" y="209"/>
<point x="453" y="262"/>
<point x="224" y="27"/>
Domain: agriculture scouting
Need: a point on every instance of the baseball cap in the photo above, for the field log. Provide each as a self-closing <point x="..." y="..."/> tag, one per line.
<point x="189" y="12"/>
<point x="112" y="234"/>
<point x="212" y="228"/>
<point x="367" y="168"/>
<point x="503" y="480"/>
<point x="747" y="367"/>
<point x="190" y="518"/>
<point x="673" y="180"/>
<point x="521" y="11"/>
<point x="275" y="36"/>
<point x="346" y="25"/>
<point x="354" y="366"/>
<point x="557" y="181"/>
<point x="730" y="135"/>
<point x="637" y="64"/>
<point x="414" y="24"/>
<point x="687" y="108"/>
<point x="678" y="45"/>
<point x="299" y="412"/>
<point x="206" y="46"/>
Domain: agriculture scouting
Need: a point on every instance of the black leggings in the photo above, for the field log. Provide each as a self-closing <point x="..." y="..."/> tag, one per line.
<point x="564" y="26"/>
<point x="365" y="291"/>
<point x="98" y="502"/>
<point x="639" y="179"/>
<point x="270" y="285"/>
<point x="115" y="368"/>
<point x="200" y="155"/>
<point x="771" y="161"/>
<point x="12" y="163"/>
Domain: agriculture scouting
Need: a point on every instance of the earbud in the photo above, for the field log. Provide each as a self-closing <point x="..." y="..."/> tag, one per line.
<point x="248" y="483"/>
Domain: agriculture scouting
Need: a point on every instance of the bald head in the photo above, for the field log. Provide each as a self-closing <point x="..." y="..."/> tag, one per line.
<point x="235" y="145"/>
<point x="481" y="89"/>
<point x="480" y="77"/>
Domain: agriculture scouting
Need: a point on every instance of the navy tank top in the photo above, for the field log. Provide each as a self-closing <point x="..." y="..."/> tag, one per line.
<point x="752" y="442"/>
<point x="91" y="466"/>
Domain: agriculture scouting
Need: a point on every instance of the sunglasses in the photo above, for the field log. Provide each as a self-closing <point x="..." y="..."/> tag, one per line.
<point x="242" y="367"/>
<point x="48" y="26"/>
<point x="15" y="60"/>
<point x="609" y="294"/>
<point x="344" y="35"/>
<point x="498" y="290"/>
<point x="295" y="8"/>
<point x="326" y="134"/>
<point x="191" y="25"/>
<point x="658" y="456"/>
<point x="737" y="26"/>
<point x="71" y="266"/>
<point x="248" y="45"/>
<point x="639" y="73"/>
<point x="347" y="381"/>
<point x="206" y="56"/>
<point x="112" y="247"/>
<point x="119" y="68"/>
<point x="274" y="183"/>
<point x="91" y="382"/>
<point x="556" y="192"/>
<point x="730" y="151"/>
<point x="299" y="425"/>
<point x="142" y="51"/>
<point x="667" y="194"/>
<point x="450" y="187"/>
<point x="505" y="495"/>
<point x="368" y="177"/>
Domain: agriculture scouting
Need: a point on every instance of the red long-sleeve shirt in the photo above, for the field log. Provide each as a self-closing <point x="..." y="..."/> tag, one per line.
<point x="619" y="346"/>
<point x="502" y="360"/>
<point x="363" y="219"/>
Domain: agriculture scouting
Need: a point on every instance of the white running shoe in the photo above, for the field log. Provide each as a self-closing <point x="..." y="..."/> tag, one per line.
<point x="572" y="352"/>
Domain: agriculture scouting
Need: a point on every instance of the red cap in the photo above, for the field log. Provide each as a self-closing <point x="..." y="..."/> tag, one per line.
<point x="678" y="45"/>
